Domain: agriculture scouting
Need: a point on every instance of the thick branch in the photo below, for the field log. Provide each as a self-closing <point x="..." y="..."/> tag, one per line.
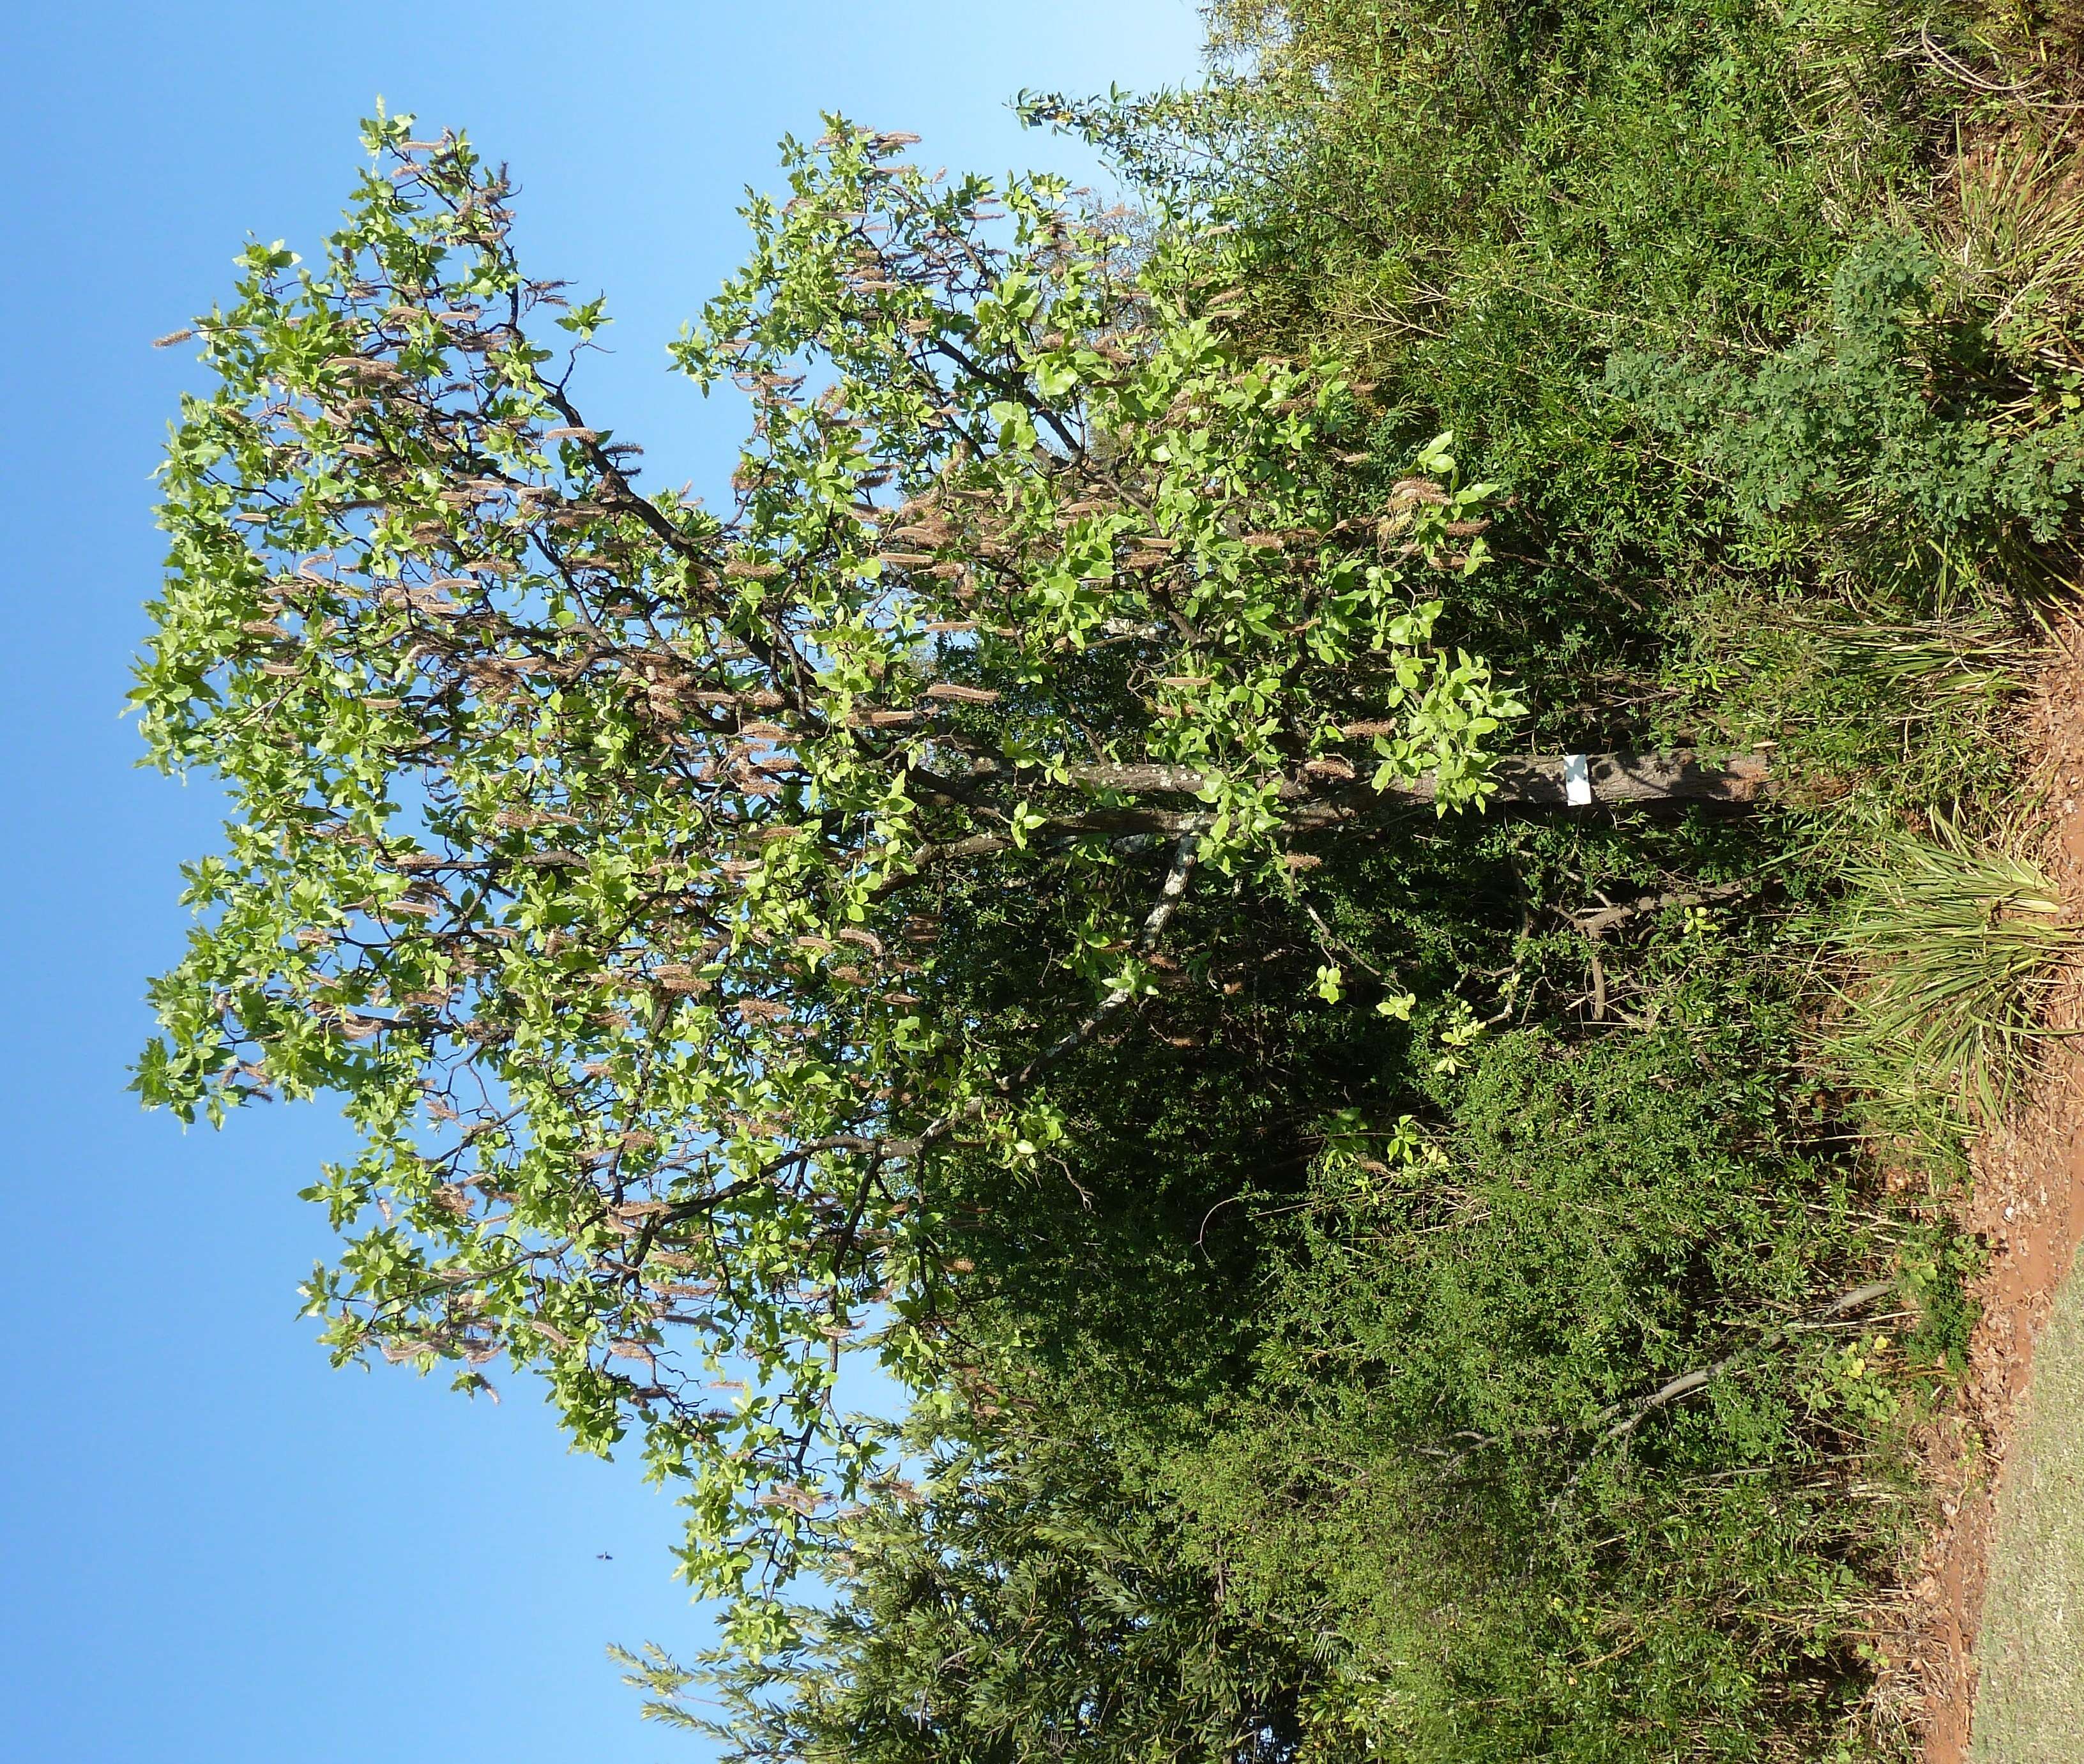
<point x="1522" y="783"/>
<point x="1687" y="1383"/>
<point x="1649" y="782"/>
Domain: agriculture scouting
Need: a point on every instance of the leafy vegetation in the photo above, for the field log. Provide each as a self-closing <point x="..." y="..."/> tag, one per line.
<point x="1051" y="890"/>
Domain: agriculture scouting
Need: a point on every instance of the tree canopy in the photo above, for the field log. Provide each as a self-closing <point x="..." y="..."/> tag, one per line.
<point x="592" y="842"/>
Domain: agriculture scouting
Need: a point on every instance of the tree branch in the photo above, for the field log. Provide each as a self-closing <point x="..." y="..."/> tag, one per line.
<point x="1687" y="1383"/>
<point x="1648" y="782"/>
<point x="1534" y="783"/>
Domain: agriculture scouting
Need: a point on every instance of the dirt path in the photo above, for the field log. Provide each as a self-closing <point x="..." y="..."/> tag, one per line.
<point x="1999" y="1612"/>
<point x="2030" y="1700"/>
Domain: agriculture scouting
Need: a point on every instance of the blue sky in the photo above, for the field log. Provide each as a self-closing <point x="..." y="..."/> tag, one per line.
<point x="215" y="1547"/>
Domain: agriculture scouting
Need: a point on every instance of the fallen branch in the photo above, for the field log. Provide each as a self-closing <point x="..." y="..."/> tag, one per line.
<point x="1626" y="1417"/>
<point x="1595" y="923"/>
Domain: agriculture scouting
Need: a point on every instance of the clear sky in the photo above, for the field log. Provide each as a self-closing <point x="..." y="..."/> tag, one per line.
<point x="213" y="1547"/>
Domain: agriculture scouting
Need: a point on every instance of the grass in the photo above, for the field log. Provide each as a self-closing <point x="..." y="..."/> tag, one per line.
<point x="2014" y="240"/>
<point x="2030" y="1708"/>
<point x="1957" y="947"/>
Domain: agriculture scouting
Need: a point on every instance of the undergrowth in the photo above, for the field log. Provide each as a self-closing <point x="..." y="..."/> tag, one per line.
<point x="1543" y="1388"/>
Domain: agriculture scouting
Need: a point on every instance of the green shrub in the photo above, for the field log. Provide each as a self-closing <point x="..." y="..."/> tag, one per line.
<point x="1375" y="1326"/>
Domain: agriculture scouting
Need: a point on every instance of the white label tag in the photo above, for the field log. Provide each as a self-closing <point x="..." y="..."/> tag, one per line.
<point x="1577" y="780"/>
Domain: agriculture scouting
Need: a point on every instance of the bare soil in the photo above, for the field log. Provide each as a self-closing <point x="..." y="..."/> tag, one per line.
<point x="2026" y="1208"/>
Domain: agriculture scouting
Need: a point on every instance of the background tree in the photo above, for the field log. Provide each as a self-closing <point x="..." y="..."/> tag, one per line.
<point x="1027" y="1603"/>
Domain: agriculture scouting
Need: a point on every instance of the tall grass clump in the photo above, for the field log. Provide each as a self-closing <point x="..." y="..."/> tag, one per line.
<point x="1956" y="948"/>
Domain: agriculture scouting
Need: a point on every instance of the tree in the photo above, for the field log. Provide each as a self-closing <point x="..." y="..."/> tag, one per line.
<point x="594" y="844"/>
<point x="1028" y="1602"/>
